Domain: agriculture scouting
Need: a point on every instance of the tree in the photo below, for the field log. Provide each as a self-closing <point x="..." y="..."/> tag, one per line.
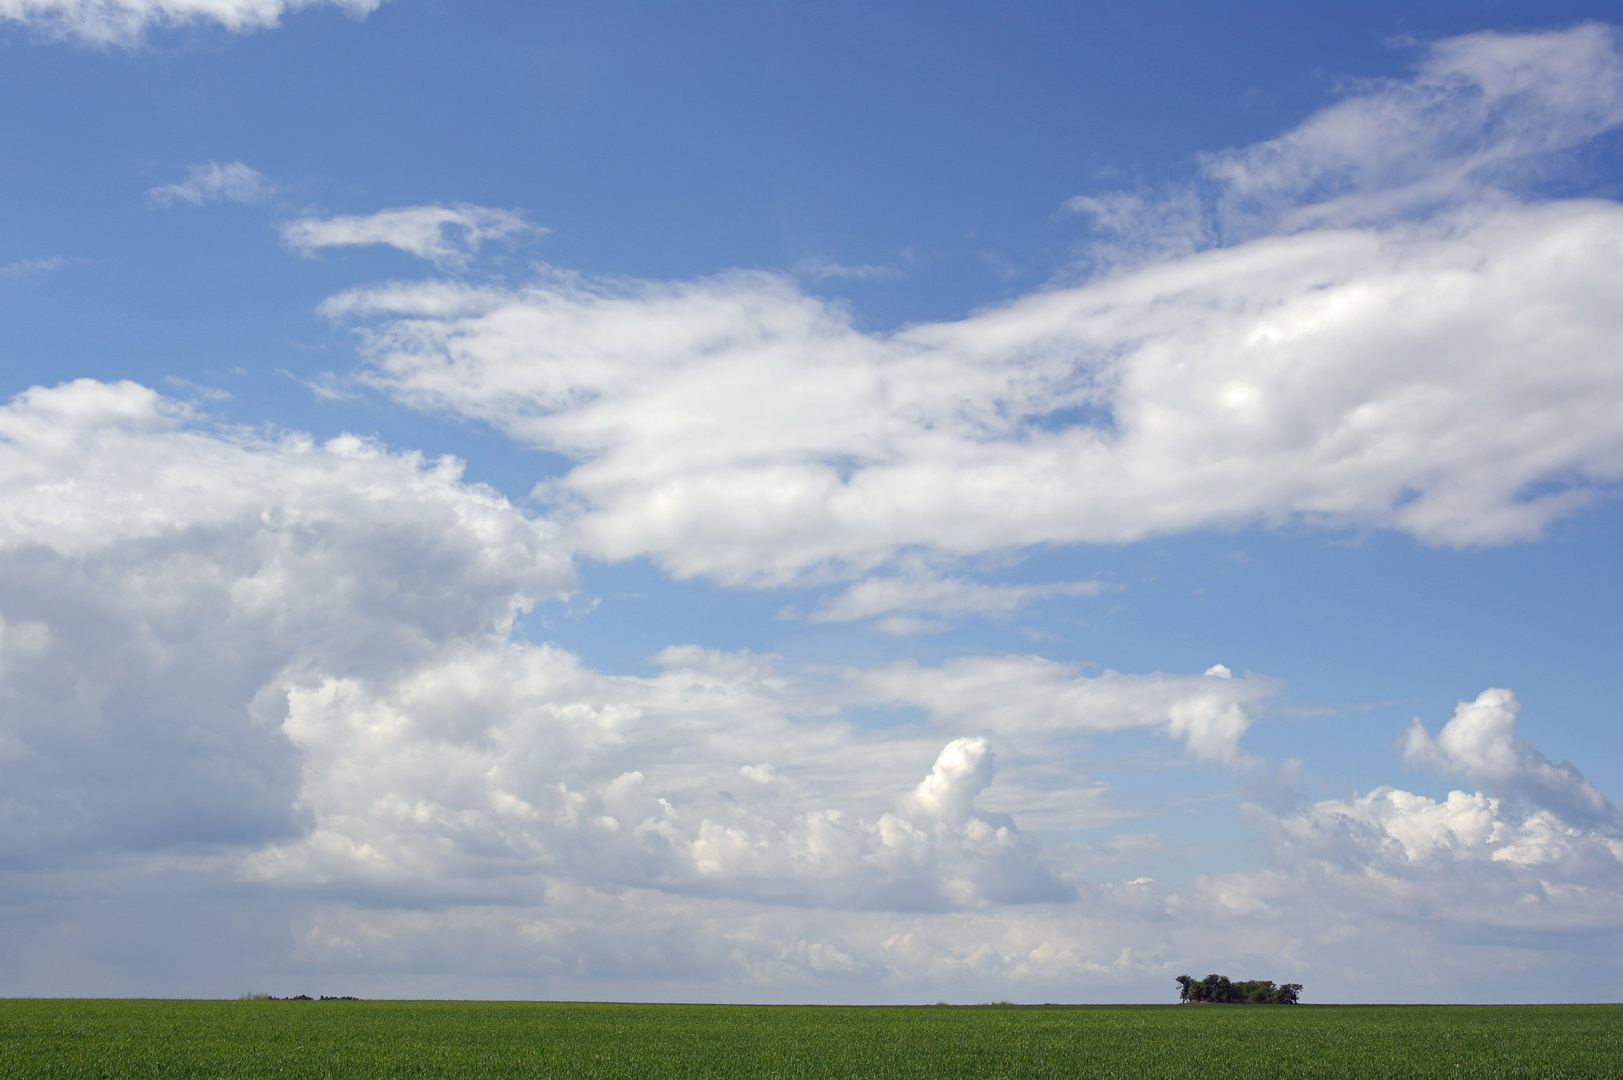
<point x="1218" y="990"/>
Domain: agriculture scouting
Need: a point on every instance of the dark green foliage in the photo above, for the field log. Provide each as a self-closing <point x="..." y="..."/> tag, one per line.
<point x="348" y="1040"/>
<point x="1217" y="990"/>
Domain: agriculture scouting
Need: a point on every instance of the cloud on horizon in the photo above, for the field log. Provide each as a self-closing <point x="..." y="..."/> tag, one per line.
<point x="237" y="658"/>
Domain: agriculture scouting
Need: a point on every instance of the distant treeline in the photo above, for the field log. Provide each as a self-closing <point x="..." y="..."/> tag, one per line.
<point x="1220" y="991"/>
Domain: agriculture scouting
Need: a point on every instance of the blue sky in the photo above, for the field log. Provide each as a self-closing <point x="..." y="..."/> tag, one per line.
<point x="810" y="502"/>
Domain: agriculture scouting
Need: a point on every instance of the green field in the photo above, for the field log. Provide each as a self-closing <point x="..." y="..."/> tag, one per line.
<point x="95" y="1039"/>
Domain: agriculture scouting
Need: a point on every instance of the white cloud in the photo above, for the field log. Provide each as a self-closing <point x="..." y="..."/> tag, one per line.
<point x="1368" y="376"/>
<point x="503" y="767"/>
<point x="1539" y="868"/>
<point x="499" y="768"/>
<point x="448" y="236"/>
<point x="125" y="22"/>
<point x="1468" y="866"/>
<point x="1480" y="742"/>
<point x="232" y="182"/>
<point x="1396" y="829"/>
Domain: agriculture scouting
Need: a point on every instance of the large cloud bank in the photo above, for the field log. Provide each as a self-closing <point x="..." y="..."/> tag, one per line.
<point x="240" y="638"/>
<point x="290" y="664"/>
<point x="238" y="656"/>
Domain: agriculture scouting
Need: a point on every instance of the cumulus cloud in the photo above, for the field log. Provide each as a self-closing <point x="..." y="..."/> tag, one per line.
<point x="165" y="586"/>
<point x="125" y="22"/>
<point x="506" y="767"/>
<point x="232" y="182"/>
<point x="448" y="236"/>
<point x="1373" y="374"/>
<point x="1466" y="869"/>
<point x="1390" y="828"/>
<point x="1533" y="865"/>
<point x="1480" y="743"/>
<point x="500" y="767"/>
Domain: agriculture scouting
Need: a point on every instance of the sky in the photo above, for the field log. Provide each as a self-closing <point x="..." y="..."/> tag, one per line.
<point x="815" y="502"/>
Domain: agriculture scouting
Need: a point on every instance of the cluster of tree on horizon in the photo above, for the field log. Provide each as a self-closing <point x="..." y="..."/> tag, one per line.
<point x="1218" y="990"/>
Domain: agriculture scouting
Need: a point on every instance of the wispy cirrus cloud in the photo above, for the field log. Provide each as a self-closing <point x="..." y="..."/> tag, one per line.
<point x="214" y="182"/>
<point x="30" y="268"/>
<point x="823" y="270"/>
<point x="920" y="601"/>
<point x="1483" y="116"/>
<point x="126" y="22"/>
<point x="448" y="236"/>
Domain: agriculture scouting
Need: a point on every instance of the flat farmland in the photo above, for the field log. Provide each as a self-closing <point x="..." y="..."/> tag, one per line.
<point x="450" y="1040"/>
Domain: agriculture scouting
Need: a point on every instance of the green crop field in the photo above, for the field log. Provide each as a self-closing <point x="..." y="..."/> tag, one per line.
<point x="171" y="1039"/>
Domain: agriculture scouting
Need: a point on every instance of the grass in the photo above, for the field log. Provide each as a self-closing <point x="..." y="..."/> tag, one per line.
<point x="454" y="1040"/>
